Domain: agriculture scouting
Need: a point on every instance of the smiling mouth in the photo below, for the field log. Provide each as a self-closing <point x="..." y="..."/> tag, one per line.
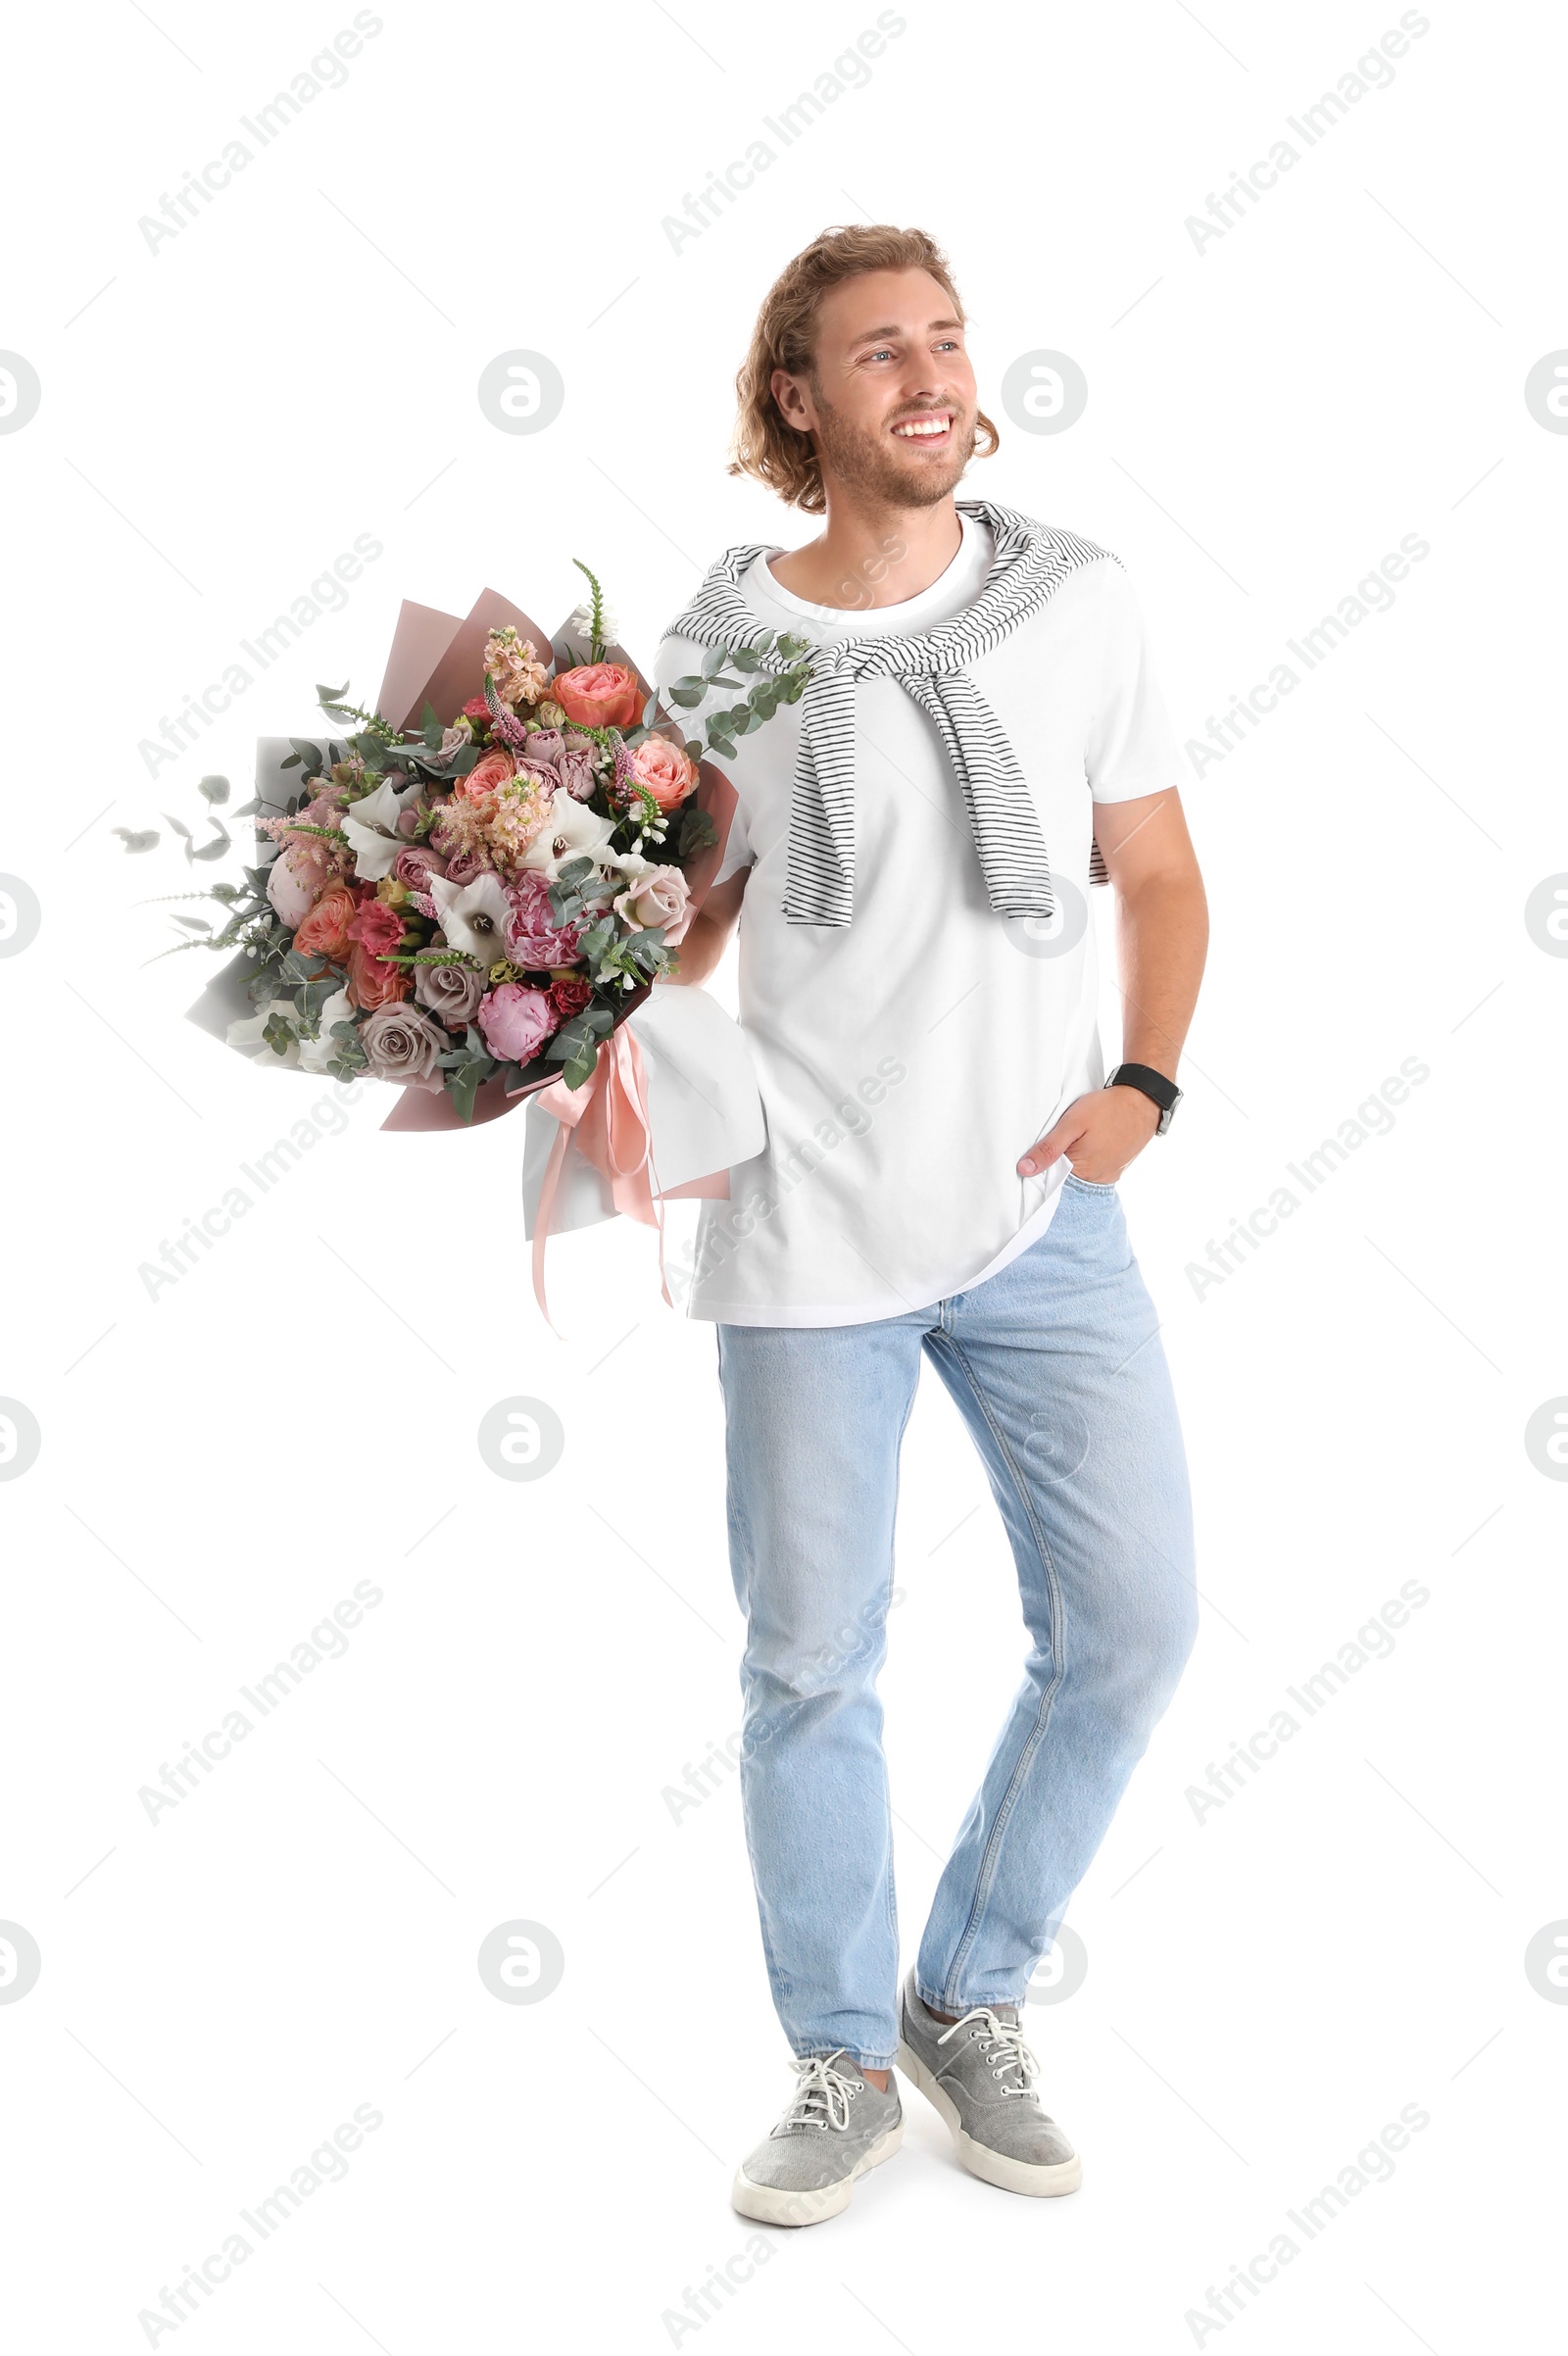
<point x="929" y="427"/>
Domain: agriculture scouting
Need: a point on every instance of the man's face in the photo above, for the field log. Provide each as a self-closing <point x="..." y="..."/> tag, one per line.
<point x="891" y="398"/>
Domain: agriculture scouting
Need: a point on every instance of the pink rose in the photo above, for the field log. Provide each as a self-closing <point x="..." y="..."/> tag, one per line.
<point x="658" y="896"/>
<point x="491" y="769"/>
<point x="598" y="694"/>
<point x="467" y="867"/>
<point x="325" y="932"/>
<point x="532" y="936"/>
<point x="663" y="770"/>
<point x="515" y="1022"/>
<point x="415" y="866"/>
<point x="372" y="984"/>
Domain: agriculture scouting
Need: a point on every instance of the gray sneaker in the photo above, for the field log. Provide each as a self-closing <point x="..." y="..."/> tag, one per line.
<point x="837" y="2127"/>
<point x="980" y="2074"/>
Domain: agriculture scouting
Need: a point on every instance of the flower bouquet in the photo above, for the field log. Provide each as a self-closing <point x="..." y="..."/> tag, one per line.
<point x="477" y="898"/>
<point x="470" y="889"/>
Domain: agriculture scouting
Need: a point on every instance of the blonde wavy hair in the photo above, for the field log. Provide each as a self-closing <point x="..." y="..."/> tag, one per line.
<point x="785" y="337"/>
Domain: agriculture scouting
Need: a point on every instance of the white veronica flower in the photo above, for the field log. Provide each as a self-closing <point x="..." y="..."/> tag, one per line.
<point x="581" y="623"/>
<point x="473" y="916"/>
<point x="370" y="825"/>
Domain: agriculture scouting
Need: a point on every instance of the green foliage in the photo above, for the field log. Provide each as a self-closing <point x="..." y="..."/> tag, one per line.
<point x="576" y="1046"/>
<point x="330" y="699"/>
<point x="696" y="832"/>
<point x="769" y="688"/>
<point x="467" y="1068"/>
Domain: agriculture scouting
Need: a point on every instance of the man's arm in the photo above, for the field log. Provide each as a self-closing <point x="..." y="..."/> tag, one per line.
<point x="1161" y="937"/>
<point x="710" y="928"/>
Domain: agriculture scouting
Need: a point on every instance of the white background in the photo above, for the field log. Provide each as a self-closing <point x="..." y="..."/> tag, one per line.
<point x="1269" y="1984"/>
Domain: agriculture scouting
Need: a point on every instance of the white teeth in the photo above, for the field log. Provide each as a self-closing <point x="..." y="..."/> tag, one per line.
<point x="912" y="427"/>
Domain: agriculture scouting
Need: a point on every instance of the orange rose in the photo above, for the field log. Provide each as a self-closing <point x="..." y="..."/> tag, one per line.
<point x="491" y="769"/>
<point x="598" y="694"/>
<point x="324" y="931"/>
<point x="372" y="984"/>
<point x="663" y="770"/>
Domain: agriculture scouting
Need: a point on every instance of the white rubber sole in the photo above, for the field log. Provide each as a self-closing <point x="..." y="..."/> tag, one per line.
<point x="991" y="2167"/>
<point x="771" y="2205"/>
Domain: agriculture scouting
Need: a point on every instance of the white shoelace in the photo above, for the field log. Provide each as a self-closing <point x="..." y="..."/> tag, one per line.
<point x="822" y="2094"/>
<point x="1004" y="2040"/>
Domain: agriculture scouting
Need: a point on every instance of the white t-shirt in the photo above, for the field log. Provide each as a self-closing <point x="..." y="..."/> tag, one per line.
<point x="908" y="1059"/>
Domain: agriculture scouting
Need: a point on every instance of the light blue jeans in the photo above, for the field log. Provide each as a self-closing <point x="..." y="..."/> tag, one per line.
<point x="1056" y="1368"/>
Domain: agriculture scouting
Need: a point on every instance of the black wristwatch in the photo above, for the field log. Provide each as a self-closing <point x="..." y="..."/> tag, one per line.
<point x="1152" y="1084"/>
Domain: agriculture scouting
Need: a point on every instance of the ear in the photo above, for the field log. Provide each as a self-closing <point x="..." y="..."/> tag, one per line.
<point x="792" y="400"/>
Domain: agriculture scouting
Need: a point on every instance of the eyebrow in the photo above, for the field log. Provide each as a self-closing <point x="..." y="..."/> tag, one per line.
<point x="869" y="335"/>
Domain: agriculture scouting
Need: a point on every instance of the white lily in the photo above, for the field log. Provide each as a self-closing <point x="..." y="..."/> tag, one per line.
<point x="473" y="916"/>
<point x="571" y="831"/>
<point x="371" y="828"/>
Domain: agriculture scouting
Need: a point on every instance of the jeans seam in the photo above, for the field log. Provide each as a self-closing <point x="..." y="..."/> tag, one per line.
<point x="985" y="1874"/>
<point x="893" y="1564"/>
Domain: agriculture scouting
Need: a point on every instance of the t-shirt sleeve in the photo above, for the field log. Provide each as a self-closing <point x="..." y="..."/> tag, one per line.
<point x="1132" y="747"/>
<point x="676" y="658"/>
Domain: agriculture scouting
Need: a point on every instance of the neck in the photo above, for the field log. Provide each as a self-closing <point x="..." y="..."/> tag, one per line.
<point x="871" y="554"/>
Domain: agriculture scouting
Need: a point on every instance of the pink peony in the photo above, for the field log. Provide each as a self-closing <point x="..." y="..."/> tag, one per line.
<point x="515" y="1022"/>
<point x="297" y="877"/>
<point x="532" y="936"/>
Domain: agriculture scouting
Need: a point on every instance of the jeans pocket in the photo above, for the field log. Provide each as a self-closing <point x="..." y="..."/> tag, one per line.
<point x="1087" y="1185"/>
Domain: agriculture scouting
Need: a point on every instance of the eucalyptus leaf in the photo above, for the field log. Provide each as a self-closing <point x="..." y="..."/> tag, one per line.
<point x="213" y="789"/>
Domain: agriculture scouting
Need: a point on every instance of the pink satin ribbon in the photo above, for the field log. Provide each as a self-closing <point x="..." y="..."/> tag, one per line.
<point x="608" y="1116"/>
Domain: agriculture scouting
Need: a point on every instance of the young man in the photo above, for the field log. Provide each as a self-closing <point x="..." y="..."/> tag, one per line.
<point x="910" y="862"/>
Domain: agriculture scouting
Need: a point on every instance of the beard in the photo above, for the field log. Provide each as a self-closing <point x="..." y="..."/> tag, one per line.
<point x="860" y="459"/>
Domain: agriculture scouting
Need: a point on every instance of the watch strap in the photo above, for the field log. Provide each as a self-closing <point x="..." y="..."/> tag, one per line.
<point x="1150" y="1083"/>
